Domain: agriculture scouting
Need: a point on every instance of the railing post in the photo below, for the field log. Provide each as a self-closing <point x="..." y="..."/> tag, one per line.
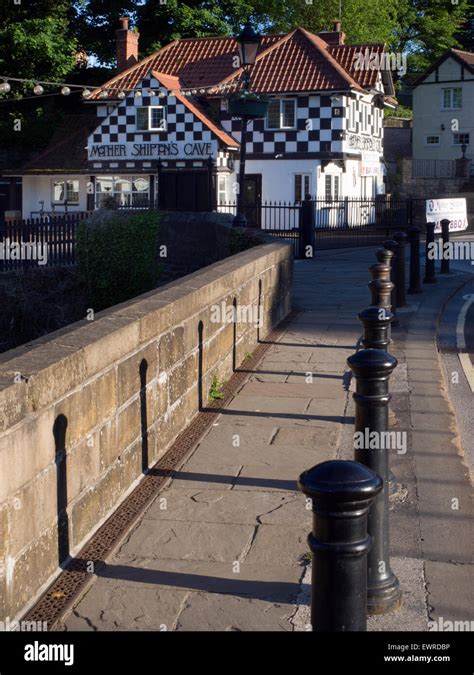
<point x="401" y="238"/>
<point x="372" y="369"/>
<point x="430" y="277"/>
<point x="306" y="227"/>
<point x="341" y="493"/>
<point x="415" y="275"/>
<point x="446" y="252"/>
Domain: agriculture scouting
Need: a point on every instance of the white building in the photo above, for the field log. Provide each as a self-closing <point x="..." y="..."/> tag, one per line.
<point x="443" y="113"/>
<point x="162" y="131"/>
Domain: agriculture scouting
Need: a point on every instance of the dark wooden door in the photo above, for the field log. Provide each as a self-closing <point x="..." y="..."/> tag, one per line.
<point x="184" y="191"/>
<point x="253" y="199"/>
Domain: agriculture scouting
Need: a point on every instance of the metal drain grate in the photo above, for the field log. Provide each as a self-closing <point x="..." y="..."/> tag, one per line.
<point x="63" y="592"/>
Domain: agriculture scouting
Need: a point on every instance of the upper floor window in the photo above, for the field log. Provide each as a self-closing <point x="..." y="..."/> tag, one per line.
<point x="432" y="140"/>
<point x="452" y="98"/>
<point x="65" y="191"/>
<point x="460" y="139"/>
<point x="281" y="113"/>
<point x="152" y="118"/>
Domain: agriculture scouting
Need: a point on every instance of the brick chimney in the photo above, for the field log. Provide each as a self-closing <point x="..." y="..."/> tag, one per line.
<point x="127" y="45"/>
<point x="334" y="37"/>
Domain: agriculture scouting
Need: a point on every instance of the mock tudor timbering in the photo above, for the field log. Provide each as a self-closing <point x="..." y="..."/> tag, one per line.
<point x="163" y="131"/>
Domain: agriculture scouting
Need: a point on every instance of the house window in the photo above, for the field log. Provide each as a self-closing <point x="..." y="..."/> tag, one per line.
<point x="460" y="139"/>
<point x="281" y="113"/>
<point x="302" y="186"/>
<point x="127" y="190"/>
<point x="221" y="190"/>
<point x="332" y="187"/>
<point x="152" y="118"/>
<point x="65" y="191"/>
<point x="352" y="115"/>
<point x="452" y="98"/>
<point x="432" y="140"/>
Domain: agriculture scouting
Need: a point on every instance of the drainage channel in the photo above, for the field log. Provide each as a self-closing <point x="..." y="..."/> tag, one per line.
<point x="76" y="576"/>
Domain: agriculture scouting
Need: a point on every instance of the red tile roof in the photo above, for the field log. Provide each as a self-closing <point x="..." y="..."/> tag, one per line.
<point x="297" y="62"/>
<point x="66" y="152"/>
<point x="467" y="57"/>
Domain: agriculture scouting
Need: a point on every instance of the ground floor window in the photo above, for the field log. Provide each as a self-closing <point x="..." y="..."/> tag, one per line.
<point x="126" y="190"/>
<point x="331" y="186"/>
<point x="302" y="186"/>
<point x="65" y="191"/>
<point x="221" y="190"/>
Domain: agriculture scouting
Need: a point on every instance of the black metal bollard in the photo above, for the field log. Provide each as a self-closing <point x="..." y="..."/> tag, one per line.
<point x="376" y="327"/>
<point x="445" y="235"/>
<point x="392" y="246"/>
<point x="430" y="277"/>
<point x="341" y="493"/>
<point x="401" y="239"/>
<point x="414" y="234"/>
<point x="372" y="369"/>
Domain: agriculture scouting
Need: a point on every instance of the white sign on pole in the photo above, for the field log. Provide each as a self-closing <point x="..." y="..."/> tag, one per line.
<point x="453" y="210"/>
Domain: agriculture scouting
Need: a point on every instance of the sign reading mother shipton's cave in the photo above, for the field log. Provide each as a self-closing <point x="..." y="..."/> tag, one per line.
<point x="172" y="149"/>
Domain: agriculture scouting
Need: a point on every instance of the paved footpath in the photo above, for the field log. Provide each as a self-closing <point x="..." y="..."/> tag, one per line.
<point x="223" y="547"/>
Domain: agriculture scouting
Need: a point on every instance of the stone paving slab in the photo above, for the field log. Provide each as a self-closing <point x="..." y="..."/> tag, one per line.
<point x="221" y="547"/>
<point x="284" y="508"/>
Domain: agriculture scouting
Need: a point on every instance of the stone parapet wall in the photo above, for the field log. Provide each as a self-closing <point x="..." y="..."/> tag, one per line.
<point x="84" y="409"/>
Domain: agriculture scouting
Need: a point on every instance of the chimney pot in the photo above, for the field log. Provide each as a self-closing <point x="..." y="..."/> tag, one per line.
<point x="124" y="22"/>
<point x="337" y="26"/>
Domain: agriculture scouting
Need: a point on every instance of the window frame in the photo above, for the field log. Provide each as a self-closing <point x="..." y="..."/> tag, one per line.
<point x="432" y="145"/>
<point x="282" y="128"/>
<point x="115" y="178"/>
<point x="65" y="181"/>
<point x="149" y="109"/>
<point x="220" y="191"/>
<point x="303" y="175"/>
<point x="451" y="105"/>
<point x="461" y="133"/>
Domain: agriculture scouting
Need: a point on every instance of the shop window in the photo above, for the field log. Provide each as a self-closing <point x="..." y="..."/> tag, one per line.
<point x="65" y="191"/>
<point x="133" y="191"/>
<point x="151" y="118"/>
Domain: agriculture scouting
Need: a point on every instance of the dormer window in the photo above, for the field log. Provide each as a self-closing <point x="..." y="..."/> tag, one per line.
<point x="281" y="114"/>
<point x="151" y="118"/>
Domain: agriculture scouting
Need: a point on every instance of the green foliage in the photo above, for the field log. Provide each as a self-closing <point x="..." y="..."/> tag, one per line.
<point x="241" y="240"/>
<point x="401" y="111"/>
<point x="215" y="392"/>
<point x="117" y="255"/>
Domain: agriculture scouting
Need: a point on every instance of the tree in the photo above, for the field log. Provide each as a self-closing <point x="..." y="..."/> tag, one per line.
<point x="35" y="44"/>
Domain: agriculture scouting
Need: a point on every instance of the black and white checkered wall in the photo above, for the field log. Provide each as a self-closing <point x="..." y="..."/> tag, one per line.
<point x="319" y="123"/>
<point x="120" y="126"/>
<point x="320" y="127"/>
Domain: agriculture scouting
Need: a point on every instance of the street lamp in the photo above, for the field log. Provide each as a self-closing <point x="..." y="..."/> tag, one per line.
<point x="463" y="150"/>
<point x="248" y="41"/>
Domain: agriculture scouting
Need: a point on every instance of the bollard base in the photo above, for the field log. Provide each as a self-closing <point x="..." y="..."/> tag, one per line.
<point x="413" y="291"/>
<point x="385" y="597"/>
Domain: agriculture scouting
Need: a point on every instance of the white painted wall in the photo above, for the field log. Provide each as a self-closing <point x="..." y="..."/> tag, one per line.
<point x="428" y="114"/>
<point x="36" y="188"/>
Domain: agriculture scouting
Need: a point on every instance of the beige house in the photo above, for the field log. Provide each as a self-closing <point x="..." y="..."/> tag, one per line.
<point x="443" y="115"/>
